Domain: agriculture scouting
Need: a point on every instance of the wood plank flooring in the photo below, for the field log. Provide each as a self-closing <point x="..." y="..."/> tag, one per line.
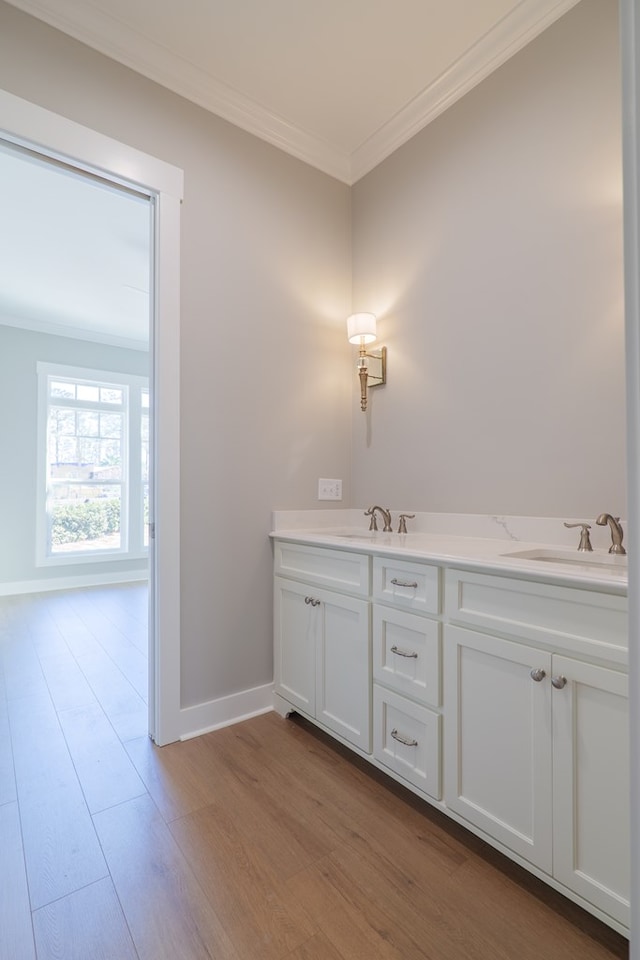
<point x="262" y="841"/>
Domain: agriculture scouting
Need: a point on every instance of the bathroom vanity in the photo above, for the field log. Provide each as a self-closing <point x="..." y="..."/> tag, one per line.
<point x="492" y="684"/>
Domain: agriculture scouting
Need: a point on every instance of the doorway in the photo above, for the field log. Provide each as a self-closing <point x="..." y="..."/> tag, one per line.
<point x="90" y="481"/>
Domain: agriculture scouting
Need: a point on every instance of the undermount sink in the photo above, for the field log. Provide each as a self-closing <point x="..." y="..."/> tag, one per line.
<point x="602" y="561"/>
<point x="364" y="535"/>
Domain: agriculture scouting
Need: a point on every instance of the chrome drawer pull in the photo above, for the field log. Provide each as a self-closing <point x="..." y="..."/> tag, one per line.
<point x="404" y="653"/>
<point x="405" y="740"/>
<point x="404" y="583"/>
<point x="558" y="682"/>
<point x="537" y="674"/>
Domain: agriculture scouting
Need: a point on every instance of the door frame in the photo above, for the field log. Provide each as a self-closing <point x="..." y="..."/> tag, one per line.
<point x="55" y="136"/>
<point x="630" y="53"/>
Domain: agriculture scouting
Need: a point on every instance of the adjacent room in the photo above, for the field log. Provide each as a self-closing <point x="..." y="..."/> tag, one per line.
<point x="74" y="335"/>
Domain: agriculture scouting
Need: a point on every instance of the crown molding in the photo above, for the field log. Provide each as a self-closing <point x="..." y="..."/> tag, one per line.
<point x="74" y="333"/>
<point x="110" y="36"/>
<point x="511" y="34"/>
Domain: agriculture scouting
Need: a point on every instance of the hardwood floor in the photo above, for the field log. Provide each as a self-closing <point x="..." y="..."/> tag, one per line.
<point x="262" y="841"/>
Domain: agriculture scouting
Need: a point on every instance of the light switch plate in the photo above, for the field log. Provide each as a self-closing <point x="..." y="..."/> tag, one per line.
<point x="329" y="489"/>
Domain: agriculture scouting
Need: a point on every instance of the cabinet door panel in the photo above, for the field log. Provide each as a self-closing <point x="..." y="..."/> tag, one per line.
<point x="406" y="653"/>
<point x="498" y="740"/>
<point x="407" y="585"/>
<point x="335" y="569"/>
<point x="296" y="628"/>
<point x="406" y="738"/>
<point x="582" y="621"/>
<point x="591" y="784"/>
<point x="343" y="668"/>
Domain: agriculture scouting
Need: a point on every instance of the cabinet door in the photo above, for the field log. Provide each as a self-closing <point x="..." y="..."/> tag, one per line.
<point x="497" y="724"/>
<point x="343" y="667"/>
<point x="295" y="631"/>
<point x="591" y="784"/>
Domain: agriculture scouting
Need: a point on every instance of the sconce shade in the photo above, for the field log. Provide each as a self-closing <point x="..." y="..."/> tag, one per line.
<point x="361" y="328"/>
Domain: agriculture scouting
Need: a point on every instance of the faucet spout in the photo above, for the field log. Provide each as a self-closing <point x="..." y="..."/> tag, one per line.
<point x="616" y="532"/>
<point x="386" y="517"/>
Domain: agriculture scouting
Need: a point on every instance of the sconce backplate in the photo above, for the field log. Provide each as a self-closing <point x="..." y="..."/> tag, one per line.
<point x="377" y="368"/>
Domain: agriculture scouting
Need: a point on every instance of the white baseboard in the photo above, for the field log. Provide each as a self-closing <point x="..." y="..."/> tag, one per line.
<point x="70" y="583"/>
<point x="214" y="714"/>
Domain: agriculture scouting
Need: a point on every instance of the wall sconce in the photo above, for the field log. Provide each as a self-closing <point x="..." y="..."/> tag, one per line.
<point x="372" y="367"/>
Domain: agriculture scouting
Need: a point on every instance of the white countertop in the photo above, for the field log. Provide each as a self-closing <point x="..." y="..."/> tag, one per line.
<point x="598" y="569"/>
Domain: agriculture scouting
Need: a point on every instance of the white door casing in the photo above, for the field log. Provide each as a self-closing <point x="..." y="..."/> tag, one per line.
<point x="630" y="52"/>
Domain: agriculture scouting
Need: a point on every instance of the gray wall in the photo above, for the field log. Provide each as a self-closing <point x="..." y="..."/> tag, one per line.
<point x="20" y="351"/>
<point x="491" y="247"/>
<point x="266" y="285"/>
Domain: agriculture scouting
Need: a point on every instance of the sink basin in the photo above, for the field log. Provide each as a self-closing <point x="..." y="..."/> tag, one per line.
<point x="574" y="558"/>
<point x="364" y="535"/>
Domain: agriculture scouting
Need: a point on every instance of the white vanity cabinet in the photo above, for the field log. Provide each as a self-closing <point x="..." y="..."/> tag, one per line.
<point x="500" y="699"/>
<point x="322" y="639"/>
<point x="536" y="736"/>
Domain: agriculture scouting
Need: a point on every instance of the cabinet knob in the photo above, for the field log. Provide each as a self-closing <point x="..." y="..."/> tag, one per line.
<point x="538" y="674"/>
<point x="558" y="682"/>
<point x="312" y="601"/>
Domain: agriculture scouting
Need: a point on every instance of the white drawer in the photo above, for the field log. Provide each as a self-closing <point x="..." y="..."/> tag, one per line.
<point x="582" y="621"/>
<point x="406" y="739"/>
<point x="406" y="653"/>
<point x="338" y="569"/>
<point x="407" y="585"/>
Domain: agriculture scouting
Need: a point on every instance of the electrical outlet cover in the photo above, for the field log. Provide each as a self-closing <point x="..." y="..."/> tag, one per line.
<point x="329" y="489"/>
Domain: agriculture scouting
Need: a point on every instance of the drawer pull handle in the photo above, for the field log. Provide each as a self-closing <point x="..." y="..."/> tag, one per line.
<point x="558" y="682"/>
<point x="404" y="653"/>
<point x="407" y="741"/>
<point x="538" y="674"/>
<point x="403" y="583"/>
<point x="312" y="601"/>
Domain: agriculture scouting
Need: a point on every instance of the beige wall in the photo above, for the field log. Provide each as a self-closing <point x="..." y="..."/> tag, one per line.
<point x="490" y="245"/>
<point x="266" y="285"/>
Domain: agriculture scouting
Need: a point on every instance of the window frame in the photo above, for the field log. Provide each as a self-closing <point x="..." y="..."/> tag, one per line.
<point x="132" y="546"/>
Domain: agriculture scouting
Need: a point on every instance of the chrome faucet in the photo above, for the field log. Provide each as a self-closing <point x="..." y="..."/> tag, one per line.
<point x="386" y="516"/>
<point x="616" y="532"/>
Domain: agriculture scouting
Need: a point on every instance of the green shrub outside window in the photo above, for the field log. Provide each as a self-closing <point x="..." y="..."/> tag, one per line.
<point x="72" y="523"/>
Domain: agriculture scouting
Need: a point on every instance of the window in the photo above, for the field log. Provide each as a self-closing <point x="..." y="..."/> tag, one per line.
<point x="94" y="455"/>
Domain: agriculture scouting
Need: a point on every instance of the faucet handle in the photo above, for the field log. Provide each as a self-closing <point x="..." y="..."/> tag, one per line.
<point x="402" y="526"/>
<point x="371" y="513"/>
<point x="585" y="540"/>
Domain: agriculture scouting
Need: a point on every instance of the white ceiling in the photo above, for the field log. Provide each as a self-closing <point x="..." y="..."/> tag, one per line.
<point x="74" y="254"/>
<point x="338" y="83"/>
